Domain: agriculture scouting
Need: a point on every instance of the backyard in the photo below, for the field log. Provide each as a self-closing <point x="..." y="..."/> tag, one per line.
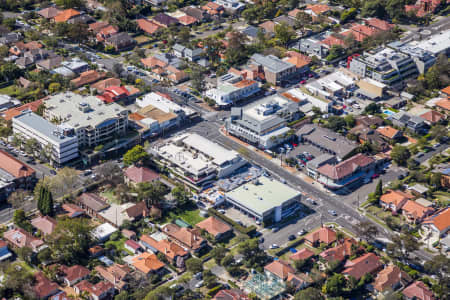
<point x="189" y="215"/>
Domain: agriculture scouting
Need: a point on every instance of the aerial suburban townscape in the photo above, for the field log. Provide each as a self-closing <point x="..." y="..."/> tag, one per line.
<point x="224" y="149"/>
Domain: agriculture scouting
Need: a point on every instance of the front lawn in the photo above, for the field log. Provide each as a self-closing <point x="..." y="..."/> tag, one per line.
<point x="9" y="90"/>
<point x="109" y="194"/>
<point x="189" y="215"/>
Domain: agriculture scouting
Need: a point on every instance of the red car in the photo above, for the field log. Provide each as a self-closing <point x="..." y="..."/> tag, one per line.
<point x="303" y="82"/>
<point x="375" y="176"/>
<point x="310" y="75"/>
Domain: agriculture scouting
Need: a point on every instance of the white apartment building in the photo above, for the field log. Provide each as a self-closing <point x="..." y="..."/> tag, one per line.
<point x="93" y="121"/>
<point x="232" y="88"/>
<point x="60" y="140"/>
<point x="197" y="160"/>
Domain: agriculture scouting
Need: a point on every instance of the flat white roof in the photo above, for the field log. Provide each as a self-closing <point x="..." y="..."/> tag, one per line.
<point x="162" y="103"/>
<point x="374" y="82"/>
<point x="255" y="110"/>
<point x="66" y="107"/>
<point x="436" y="43"/>
<point x="102" y="231"/>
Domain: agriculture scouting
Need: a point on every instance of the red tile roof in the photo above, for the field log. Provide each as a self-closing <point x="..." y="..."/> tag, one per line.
<point x="93" y="201"/>
<point x="138" y="210"/>
<point x="106" y="83"/>
<point x="395" y="197"/>
<point x="360" y="266"/>
<point x="88" y="77"/>
<point x="322" y="235"/>
<point x="140" y="174"/>
<point x="66" y="15"/>
<point x="187" y="20"/>
<point x="418" y="290"/>
<point x="214" y="226"/>
<point x="433" y="116"/>
<point x="345" y="167"/>
<point x="379" y="24"/>
<point x="72" y="210"/>
<point x="318" y="8"/>
<point x="416" y="210"/>
<point x="268" y="26"/>
<point x="43" y="287"/>
<point x="49" y="12"/>
<point x="231" y="295"/>
<point x="332" y="40"/>
<point x="11" y="113"/>
<point x="75" y="272"/>
<point x="186" y="236"/>
<point x="280" y="268"/>
<point x="389" y="277"/>
<point x="133" y="245"/>
<point x="19" y="238"/>
<point x="444" y="104"/>
<point x="340" y="252"/>
<point x="14" y="166"/>
<point x="441" y="219"/>
<point x="446" y="90"/>
<point x="97" y="289"/>
<point x="45" y="224"/>
<point x="388" y="131"/>
<point x="169" y="249"/>
<point x="97" y="26"/>
<point x="146" y="263"/>
<point x="302" y="254"/>
<point x="148" y="26"/>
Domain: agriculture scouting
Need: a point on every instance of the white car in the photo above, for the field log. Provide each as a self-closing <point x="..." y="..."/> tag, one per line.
<point x="199" y="284"/>
<point x="274" y="246"/>
<point x="301" y="232"/>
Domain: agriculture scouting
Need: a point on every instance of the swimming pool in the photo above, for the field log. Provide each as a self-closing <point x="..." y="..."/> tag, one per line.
<point x="388" y="112"/>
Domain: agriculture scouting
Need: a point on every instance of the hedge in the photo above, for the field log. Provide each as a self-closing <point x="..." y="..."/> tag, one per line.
<point x="238" y="227"/>
<point x="214" y="290"/>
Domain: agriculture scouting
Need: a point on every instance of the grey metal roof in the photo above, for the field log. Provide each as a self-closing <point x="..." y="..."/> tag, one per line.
<point x="251" y="31"/>
<point x="319" y="161"/>
<point x="271" y="62"/>
<point x="178" y="47"/>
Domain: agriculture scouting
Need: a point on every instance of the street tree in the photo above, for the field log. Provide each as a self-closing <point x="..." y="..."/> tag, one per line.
<point x="17" y="198"/>
<point x="335" y="285"/>
<point x="219" y="253"/>
<point x="284" y="33"/>
<point x="400" y="154"/>
<point x="194" y="265"/>
<point x="197" y="81"/>
<point x="309" y="293"/>
<point x="379" y="189"/>
<point x="367" y="230"/>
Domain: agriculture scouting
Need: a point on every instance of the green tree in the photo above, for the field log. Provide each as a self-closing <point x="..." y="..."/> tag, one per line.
<point x="218" y="254"/>
<point x="227" y="260"/>
<point x="71" y="240"/>
<point x="151" y="192"/>
<point x="25" y="254"/>
<point x="70" y="3"/>
<point x="135" y="155"/>
<point x="299" y="264"/>
<point x="310" y="293"/>
<point x="194" y="265"/>
<point x="184" y="35"/>
<point x="197" y="81"/>
<point x="400" y="154"/>
<point x="123" y="295"/>
<point x="435" y="180"/>
<point x="348" y="14"/>
<point x="302" y="20"/>
<point x="367" y="230"/>
<point x="379" y="189"/>
<point x="335" y="285"/>
<point x="20" y="220"/>
<point x="284" y="33"/>
<point x="45" y="201"/>
<point x="350" y="121"/>
<point x="335" y="123"/>
<point x="372" y="109"/>
<point x="54" y="87"/>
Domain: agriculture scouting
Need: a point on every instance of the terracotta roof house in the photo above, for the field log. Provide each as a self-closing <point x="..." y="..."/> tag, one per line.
<point x="15" y="111"/>
<point x="72" y="210"/>
<point x="74" y="274"/>
<point x="96" y="251"/>
<point x="165" y="20"/>
<point x="66" y="15"/>
<point x="390" y="278"/>
<point x="137" y="211"/>
<point x="360" y="32"/>
<point x="322" y="235"/>
<point x="19" y="238"/>
<point x="446" y="91"/>
<point x="334" y="40"/>
<point x="317" y="9"/>
<point x="170" y="250"/>
<point x="148" y="26"/>
<point x="279" y="268"/>
<point x="390" y="133"/>
<point x="20" y="47"/>
<point x="102" y="85"/>
<point x="49" y="12"/>
<point x="293" y="13"/>
<point x="198" y="13"/>
<point x="115" y="274"/>
<point x="97" y="26"/>
<point x="443" y="104"/>
<point x="439" y="222"/>
<point x="418" y="291"/>
<point x="87" y="77"/>
<point x="16" y="174"/>
<point x="213" y="9"/>
<point x="114" y="94"/>
<point x="44" y="224"/>
<point x="268" y="26"/>
<point x="367" y="134"/>
<point x="43" y="287"/>
<point x="301" y="61"/>
<point x="433" y="117"/>
<point x="368" y="263"/>
<point x="92" y="203"/>
<point x="215" y="227"/>
<point x="340" y="251"/>
<point x="186" y="237"/>
<point x="231" y="295"/>
<point x="302" y="254"/>
<point x="415" y="212"/>
<point x="187" y="20"/>
<point x="98" y="291"/>
<point x="134" y="175"/>
<point x="299" y="281"/>
<point x="148" y="263"/>
<point x="379" y="24"/>
<point x="130" y="234"/>
<point x="106" y="32"/>
<point x="121" y="41"/>
<point x="394" y="200"/>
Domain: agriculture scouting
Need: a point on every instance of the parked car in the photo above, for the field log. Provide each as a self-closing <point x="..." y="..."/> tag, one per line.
<point x="261" y="240"/>
<point x="291" y="237"/>
<point x="222" y="211"/>
<point x="275" y="229"/>
<point x="301" y="232"/>
<point x="332" y="212"/>
<point x="199" y="284"/>
<point x="274" y="246"/>
<point x="52" y="172"/>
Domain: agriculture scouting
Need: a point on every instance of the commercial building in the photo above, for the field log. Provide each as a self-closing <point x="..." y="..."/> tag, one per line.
<point x="93" y="121"/>
<point x="424" y="59"/>
<point x="346" y="172"/>
<point x="58" y="142"/>
<point x="306" y="101"/>
<point x="7" y="102"/>
<point x="232" y="88"/>
<point x="265" y="199"/>
<point x="275" y="69"/>
<point x="385" y="65"/>
<point x="263" y="123"/>
<point x="327" y="141"/>
<point x="197" y="160"/>
<point x="436" y="44"/>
